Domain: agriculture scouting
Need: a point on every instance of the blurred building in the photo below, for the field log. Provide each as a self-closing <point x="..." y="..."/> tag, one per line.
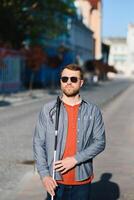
<point x="10" y="70"/>
<point x="78" y="42"/>
<point x="118" y="53"/>
<point x="91" y="11"/>
<point x="130" y="48"/>
<point x="81" y="40"/>
<point x="122" y="52"/>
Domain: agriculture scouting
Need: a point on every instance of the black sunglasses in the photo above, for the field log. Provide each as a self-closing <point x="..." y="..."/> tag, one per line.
<point x="73" y="79"/>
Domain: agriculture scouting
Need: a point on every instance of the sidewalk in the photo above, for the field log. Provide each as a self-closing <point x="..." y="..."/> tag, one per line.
<point x="30" y="188"/>
<point x="96" y="92"/>
<point x="24" y="97"/>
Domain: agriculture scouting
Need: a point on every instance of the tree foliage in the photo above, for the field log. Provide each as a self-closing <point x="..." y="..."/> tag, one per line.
<point x="31" y="18"/>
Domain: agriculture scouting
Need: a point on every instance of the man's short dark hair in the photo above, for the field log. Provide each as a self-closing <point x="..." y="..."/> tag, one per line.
<point x="74" y="67"/>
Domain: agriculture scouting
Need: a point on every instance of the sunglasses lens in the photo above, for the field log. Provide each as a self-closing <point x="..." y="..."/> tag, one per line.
<point x="74" y="79"/>
<point x="64" y="79"/>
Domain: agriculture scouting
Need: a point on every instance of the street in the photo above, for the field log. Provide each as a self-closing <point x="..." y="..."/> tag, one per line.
<point x="114" y="169"/>
<point x="17" y="126"/>
<point x="38" y="41"/>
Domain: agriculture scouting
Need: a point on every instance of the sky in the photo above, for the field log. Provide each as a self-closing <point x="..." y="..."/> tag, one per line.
<point x="117" y="14"/>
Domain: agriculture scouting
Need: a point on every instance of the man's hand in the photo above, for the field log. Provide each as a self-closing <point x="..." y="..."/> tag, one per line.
<point x="65" y="164"/>
<point x="50" y="184"/>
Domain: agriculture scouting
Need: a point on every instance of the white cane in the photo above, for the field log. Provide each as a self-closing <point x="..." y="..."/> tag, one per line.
<point x="56" y="132"/>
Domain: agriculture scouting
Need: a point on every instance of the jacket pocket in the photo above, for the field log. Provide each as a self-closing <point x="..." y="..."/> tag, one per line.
<point x="84" y="170"/>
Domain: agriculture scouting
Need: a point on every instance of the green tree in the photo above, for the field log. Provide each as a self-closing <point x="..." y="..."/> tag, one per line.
<point x="31" y="18"/>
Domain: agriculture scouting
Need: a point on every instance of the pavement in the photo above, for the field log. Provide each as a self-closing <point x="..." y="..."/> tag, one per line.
<point x="30" y="188"/>
<point x="24" y="97"/>
<point x="99" y="93"/>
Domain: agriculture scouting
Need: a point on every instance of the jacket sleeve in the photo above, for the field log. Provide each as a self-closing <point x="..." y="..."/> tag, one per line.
<point x="39" y="148"/>
<point x="97" y="144"/>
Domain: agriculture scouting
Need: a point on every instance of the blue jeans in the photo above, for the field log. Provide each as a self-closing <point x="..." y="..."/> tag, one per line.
<point x="72" y="192"/>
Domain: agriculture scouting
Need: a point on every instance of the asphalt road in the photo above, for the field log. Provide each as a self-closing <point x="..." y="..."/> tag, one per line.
<point x="114" y="168"/>
<point x="17" y="126"/>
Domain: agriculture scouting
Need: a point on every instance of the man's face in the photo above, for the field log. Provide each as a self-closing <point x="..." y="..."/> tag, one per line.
<point x="71" y="86"/>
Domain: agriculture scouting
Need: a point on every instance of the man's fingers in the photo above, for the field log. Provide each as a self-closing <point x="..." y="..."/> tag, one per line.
<point x="58" y="166"/>
<point x="64" y="171"/>
<point x="60" y="169"/>
<point x="51" y="190"/>
<point x="50" y="185"/>
<point x="55" y="183"/>
<point x="58" y="162"/>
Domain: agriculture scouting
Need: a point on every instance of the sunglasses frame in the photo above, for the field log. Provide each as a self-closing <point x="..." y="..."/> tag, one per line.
<point x="72" y="78"/>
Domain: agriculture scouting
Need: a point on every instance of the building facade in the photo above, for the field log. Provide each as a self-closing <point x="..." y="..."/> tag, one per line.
<point x="118" y="53"/>
<point x="130" y="47"/>
<point x="122" y="52"/>
<point x="91" y="11"/>
<point x="81" y="40"/>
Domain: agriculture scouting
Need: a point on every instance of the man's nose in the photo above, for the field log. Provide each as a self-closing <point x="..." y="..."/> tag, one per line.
<point x="69" y="81"/>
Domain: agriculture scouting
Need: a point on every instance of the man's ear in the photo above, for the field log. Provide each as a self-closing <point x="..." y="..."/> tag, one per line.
<point x="82" y="82"/>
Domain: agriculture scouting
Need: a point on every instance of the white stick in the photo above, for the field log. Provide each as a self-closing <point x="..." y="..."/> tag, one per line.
<point x="54" y="162"/>
<point x="53" y="176"/>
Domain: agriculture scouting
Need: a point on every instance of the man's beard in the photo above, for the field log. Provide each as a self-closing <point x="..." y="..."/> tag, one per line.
<point x="71" y="93"/>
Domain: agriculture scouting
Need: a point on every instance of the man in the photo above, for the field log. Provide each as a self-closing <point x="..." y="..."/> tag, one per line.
<point x="81" y="136"/>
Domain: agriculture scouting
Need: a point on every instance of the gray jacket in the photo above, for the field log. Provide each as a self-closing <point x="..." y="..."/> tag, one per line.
<point x="90" y="138"/>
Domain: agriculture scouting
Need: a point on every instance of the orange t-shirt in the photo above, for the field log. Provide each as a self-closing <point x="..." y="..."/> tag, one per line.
<point x="70" y="147"/>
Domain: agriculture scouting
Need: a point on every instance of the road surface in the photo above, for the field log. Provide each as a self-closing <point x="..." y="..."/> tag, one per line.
<point x="17" y="126"/>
